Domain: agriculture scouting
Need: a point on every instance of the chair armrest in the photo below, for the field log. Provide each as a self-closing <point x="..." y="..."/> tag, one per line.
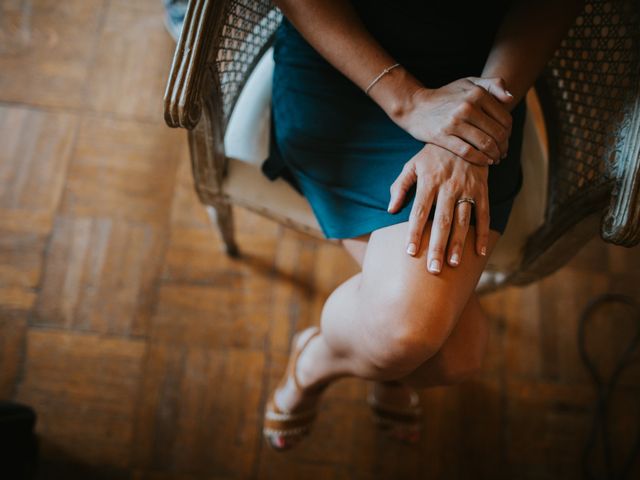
<point x="189" y="78"/>
<point x="621" y="224"/>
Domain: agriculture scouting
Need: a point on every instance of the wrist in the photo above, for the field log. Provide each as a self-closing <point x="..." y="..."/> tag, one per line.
<point x="395" y="93"/>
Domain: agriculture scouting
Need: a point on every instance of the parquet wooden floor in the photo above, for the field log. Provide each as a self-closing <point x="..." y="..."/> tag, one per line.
<point x="149" y="354"/>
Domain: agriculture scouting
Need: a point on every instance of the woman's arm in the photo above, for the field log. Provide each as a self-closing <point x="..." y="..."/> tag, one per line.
<point x="335" y="30"/>
<point x="461" y="117"/>
<point x="529" y="34"/>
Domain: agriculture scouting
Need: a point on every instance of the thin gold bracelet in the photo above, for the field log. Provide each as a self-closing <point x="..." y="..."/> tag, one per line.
<point x="384" y="72"/>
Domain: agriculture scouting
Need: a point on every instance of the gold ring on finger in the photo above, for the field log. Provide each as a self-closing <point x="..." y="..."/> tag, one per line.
<point x="466" y="199"/>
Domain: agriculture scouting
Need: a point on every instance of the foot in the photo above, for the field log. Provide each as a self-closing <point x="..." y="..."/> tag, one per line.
<point x="291" y="410"/>
<point x="289" y="398"/>
<point x="396" y="410"/>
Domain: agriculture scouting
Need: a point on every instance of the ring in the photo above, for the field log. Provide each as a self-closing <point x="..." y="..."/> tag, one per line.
<point x="466" y="199"/>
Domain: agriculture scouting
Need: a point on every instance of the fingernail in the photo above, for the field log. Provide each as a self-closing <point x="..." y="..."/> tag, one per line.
<point x="411" y="250"/>
<point x="508" y="93"/>
<point x="455" y="258"/>
<point x="483" y="251"/>
<point x="390" y="204"/>
<point x="434" y="266"/>
<point x="490" y="161"/>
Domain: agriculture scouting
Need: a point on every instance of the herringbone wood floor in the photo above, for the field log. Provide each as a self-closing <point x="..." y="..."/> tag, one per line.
<point x="148" y="354"/>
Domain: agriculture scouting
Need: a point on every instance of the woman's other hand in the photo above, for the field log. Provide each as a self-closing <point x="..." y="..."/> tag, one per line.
<point x="466" y="117"/>
<point x="441" y="176"/>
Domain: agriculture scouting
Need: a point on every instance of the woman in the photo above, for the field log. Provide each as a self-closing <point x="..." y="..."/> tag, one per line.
<point x="382" y="112"/>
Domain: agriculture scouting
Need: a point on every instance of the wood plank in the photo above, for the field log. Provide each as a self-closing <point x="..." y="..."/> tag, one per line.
<point x="124" y="64"/>
<point x="561" y="313"/>
<point x="459" y="423"/>
<point x="297" y="298"/>
<point x="235" y="314"/>
<point x="185" y="424"/>
<point x="36" y="150"/>
<point x="13" y="328"/>
<point x="196" y="251"/>
<point x="83" y="388"/>
<point x="546" y="421"/>
<point x="514" y="338"/>
<point x="123" y="170"/>
<point x="47" y="50"/>
<point x="100" y="276"/>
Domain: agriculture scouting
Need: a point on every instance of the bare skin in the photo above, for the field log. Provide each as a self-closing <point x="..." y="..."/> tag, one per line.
<point x="431" y="335"/>
<point x="396" y="319"/>
<point x="459" y="358"/>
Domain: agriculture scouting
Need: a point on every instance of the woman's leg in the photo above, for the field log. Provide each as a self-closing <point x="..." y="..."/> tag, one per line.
<point x="385" y="322"/>
<point x="462" y="353"/>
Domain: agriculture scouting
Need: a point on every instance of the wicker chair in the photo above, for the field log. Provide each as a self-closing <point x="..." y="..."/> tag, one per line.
<point x="581" y="170"/>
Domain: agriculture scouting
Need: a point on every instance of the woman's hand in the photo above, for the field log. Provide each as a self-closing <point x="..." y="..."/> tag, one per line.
<point x="465" y="117"/>
<point x="438" y="173"/>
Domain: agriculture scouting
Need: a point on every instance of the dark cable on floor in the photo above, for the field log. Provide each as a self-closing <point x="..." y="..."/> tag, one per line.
<point x="604" y="390"/>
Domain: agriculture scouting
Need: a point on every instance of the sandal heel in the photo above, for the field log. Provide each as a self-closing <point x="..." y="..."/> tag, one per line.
<point x="283" y="429"/>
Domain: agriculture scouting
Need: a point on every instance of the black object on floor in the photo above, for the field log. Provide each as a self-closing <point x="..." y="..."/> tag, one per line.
<point x="18" y="443"/>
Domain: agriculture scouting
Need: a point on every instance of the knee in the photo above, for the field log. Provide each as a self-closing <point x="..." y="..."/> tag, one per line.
<point x="400" y="336"/>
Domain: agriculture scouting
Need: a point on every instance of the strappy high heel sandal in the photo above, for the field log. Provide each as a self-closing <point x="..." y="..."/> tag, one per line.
<point x="284" y="429"/>
<point x="401" y="423"/>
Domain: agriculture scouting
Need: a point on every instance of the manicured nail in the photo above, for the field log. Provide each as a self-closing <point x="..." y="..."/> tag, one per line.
<point x="455" y="258"/>
<point x="389" y="207"/>
<point x="483" y="251"/>
<point x="411" y="250"/>
<point x="508" y="93"/>
<point x="434" y="266"/>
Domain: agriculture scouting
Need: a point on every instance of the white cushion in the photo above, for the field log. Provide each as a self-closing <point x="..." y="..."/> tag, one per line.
<point x="247" y="135"/>
<point x="247" y="144"/>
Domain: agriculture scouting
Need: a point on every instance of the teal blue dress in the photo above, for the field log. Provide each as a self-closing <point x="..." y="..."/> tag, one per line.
<point x="339" y="149"/>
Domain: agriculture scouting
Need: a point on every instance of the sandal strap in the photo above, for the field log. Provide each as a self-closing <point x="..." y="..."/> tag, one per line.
<point x="277" y="420"/>
<point x="297" y="353"/>
<point x="413" y="410"/>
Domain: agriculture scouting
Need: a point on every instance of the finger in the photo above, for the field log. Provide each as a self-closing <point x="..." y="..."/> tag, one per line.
<point x="440" y="229"/>
<point x="419" y="215"/>
<point x="482" y="224"/>
<point x="489" y="126"/>
<point x="478" y="139"/>
<point x="462" y="149"/>
<point x="492" y="108"/>
<point x="462" y="219"/>
<point x="401" y="186"/>
<point x="496" y="86"/>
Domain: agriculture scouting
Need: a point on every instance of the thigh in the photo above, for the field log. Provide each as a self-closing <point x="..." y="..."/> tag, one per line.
<point x="432" y="302"/>
<point x="357" y="247"/>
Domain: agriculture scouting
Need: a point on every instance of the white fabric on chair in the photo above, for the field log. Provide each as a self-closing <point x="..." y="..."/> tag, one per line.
<point x="247" y="144"/>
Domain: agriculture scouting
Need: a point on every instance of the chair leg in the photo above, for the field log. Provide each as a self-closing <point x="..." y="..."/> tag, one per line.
<point x="221" y="214"/>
